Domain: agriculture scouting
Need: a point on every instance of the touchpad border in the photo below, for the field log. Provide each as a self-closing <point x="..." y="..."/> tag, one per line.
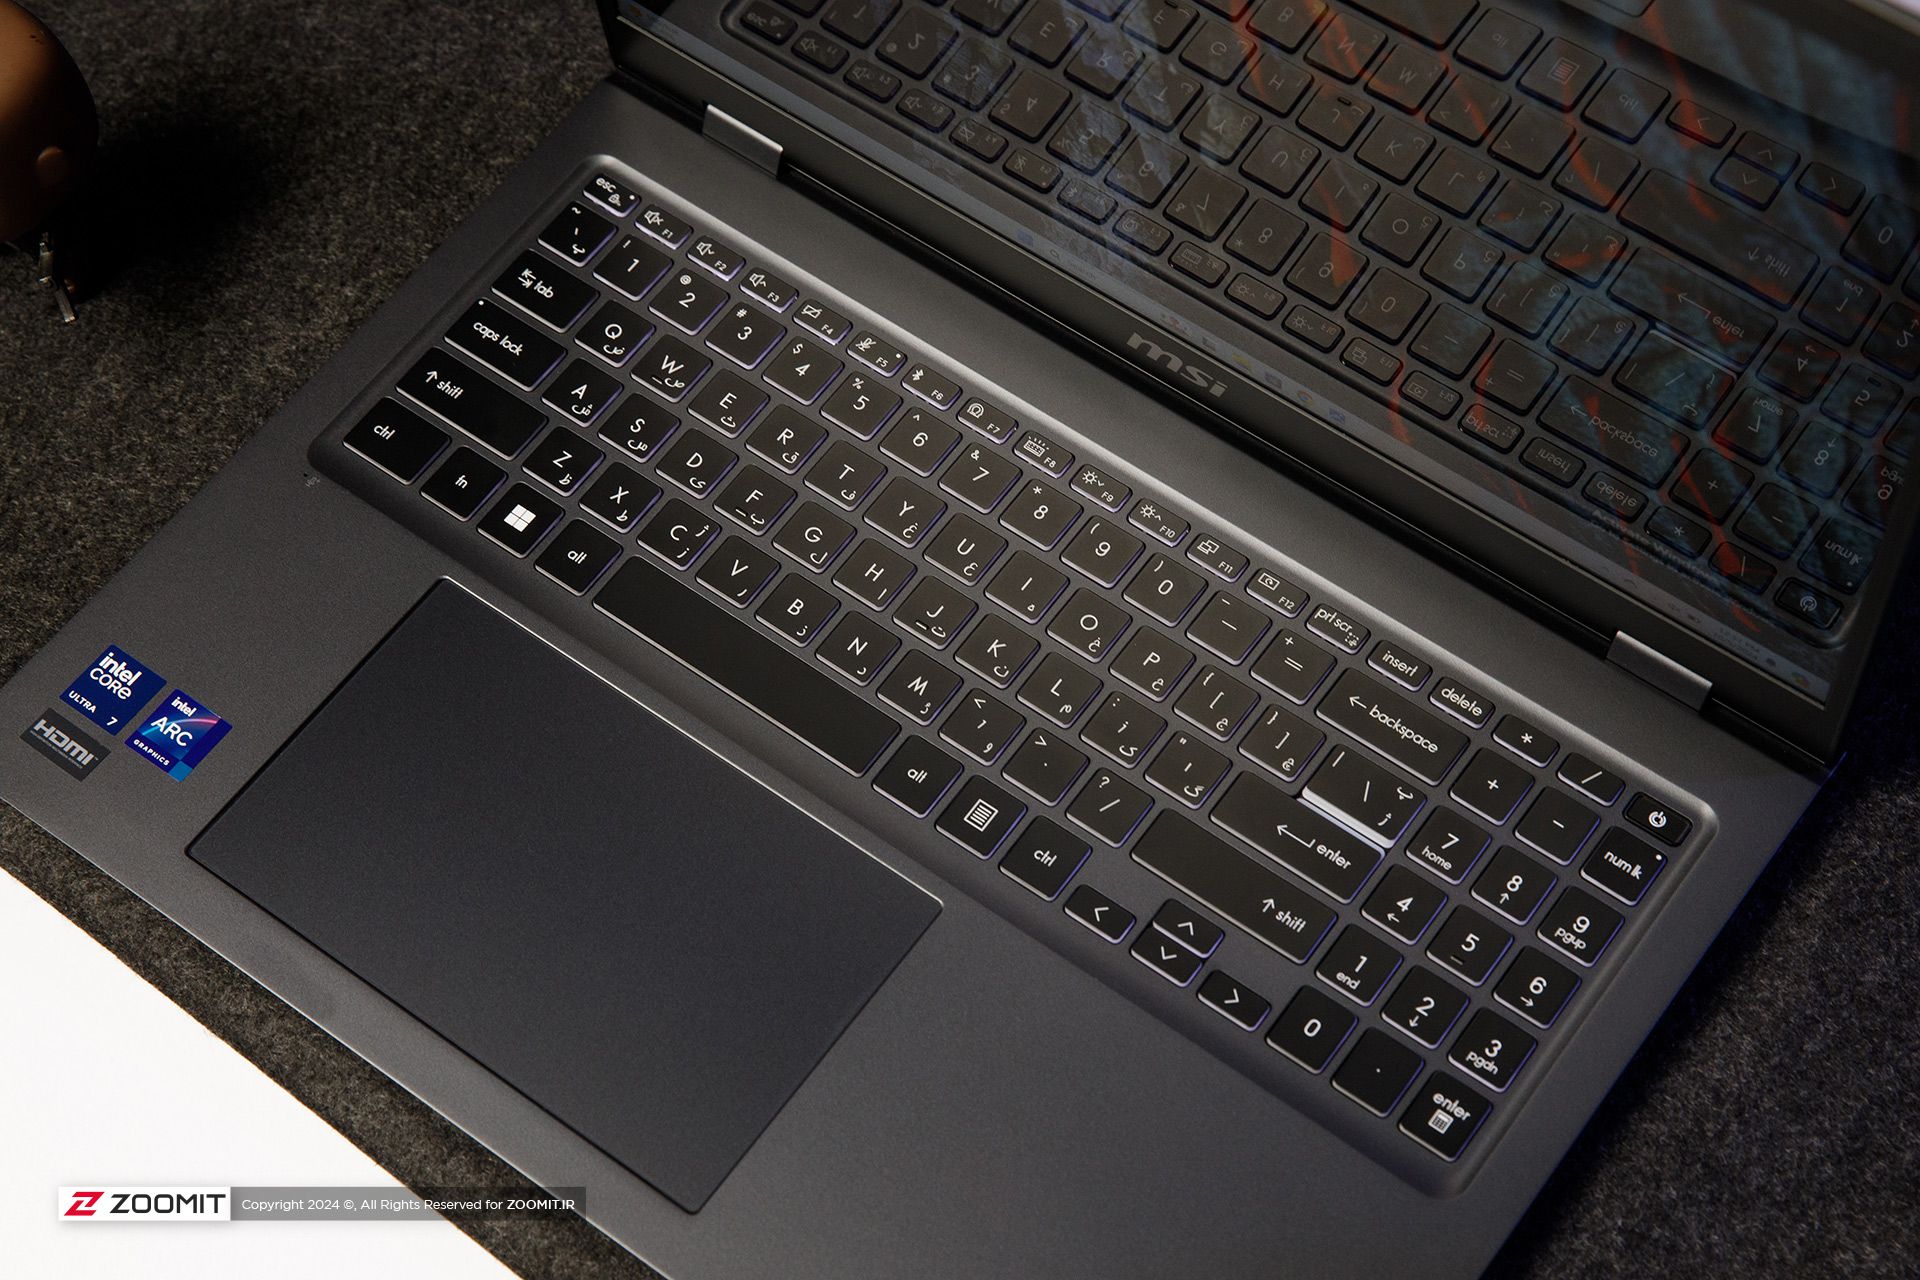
<point x="638" y="937"/>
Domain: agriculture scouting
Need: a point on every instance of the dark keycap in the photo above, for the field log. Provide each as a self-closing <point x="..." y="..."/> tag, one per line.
<point x="1281" y="742"/>
<point x="1399" y="666"/>
<point x="1400" y="228"/>
<point x="1596" y="173"/>
<point x="1467" y="109"/>
<point x="769" y="23"/>
<point x="1160" y="95"/>
<point x="620" y="496"/>
<point x="1807" y="605"/>
<point x="1253" y="898"/>
<point x="1091" y="482"/>
<point x="797" y="609"/>
<point x="1490" y="428"/>
<point x="1358" y="965"/>
<point x="1217" y="558"/>
<point x="499" y="339"/>
<point x="1831" y="188"/>
<point x="546" y="292"/>
<point x="1151" y="663"/>
<point x="1561" y="73"/>
<point x="1027" y="586"/>
<point x="980" y="817"/>
<point x="1719" y="236"/>
<point x="919" y="686"/>
<point x="1274" y="591"/>
<point x="578" y="557"/>
<point x="1527" y="298"/>
<point x="1746" y="182"/>
<point x="1457" y="181"/>
<point x="1188" y="927"/>
<point x="1336" y="628"/>
<point x="1443" y="1116"/>
<point x="861" y="405"/>
<point x="965" y="548"/>
<point x="1514" y="885"/>
<point x="1030" y="106"/>
<point x="1215" y="701"/>
<point x="996" y="650"/>
<point x="1491" y="785"/>
<point x="1345" y="47"/>
<point x="1164" y="589"/>
<point x="1084" y="140"/>
<point x="1327" y="269"/>
<point x="934" y="611"/>
<point x="1311" y="1029"/>
<point x="1040" y="513"/>
<point x="581" y="392"/>
<point x="1406" y="77"/>
<point x="696" y="462"/>
<point x="1376" y="1074"/>
<point x="1491" y="1049"/>
<point x="1520" y="215"/>
<point x="398" y="441"/>
<point x="1404" y="733"/>
<point x="1557" y="825"/>
<point x="1280" y="159"/>
<point x="1110" y="807"/>
<point x="915" y="43"/>
<point x="1756" y="425"/>
<point x="1295" y="836"/>
<point x="776" y="294"/>
<point x="1623" y="865"/>
<point x="1288" y="23"/>
<point x="1820" y="459"/>
<point x="802" y="370"/>
<point x="1584" y="775"/>
<point x="1514" y="375"/>
<point x="736" y="571"/>
<point x="1388" y="306"/>
<point x="465" y="480"/>
<point x="1658" y="820"/>
<point x="469" y="400"/>
<point x="981" y="726"/>
<point x="1447" y="844"/>
<point x="1102" y="550"/>
<point x="917" y="776"/>
<point x="1580" y="926"/>
<point x="1800" y="365"/>
<point x="1233" y="1001"/>
<point x="1712" y="485"/>
<point x="1536" y="988"/>
<point x="1045" y="858"/>
<point x="1884" y="236"/>
<point x="1673" y="380"/>
<point x="904" y="511"/>
<point x="858" y="647"/>
<point x="1861" y="400"/>
<point x="1607" y="427"/>
<point x="562" y="460"/>
<point x="1469" y="945"/>
<point x="613" y="334"/>
<point x="785" y="438"/>
<point x="1451" y="341"/>
<point x="1099" y="913"/>
<point x="1049" y="30"/>
<point x="1228" y="626"/>
<point x="1123" y="729"/>
<point x="1424" y="1007"/>
<point x="823" y="320"/>
<point x="615" y="195"/>
<point x="919" y="441"/>
<point x="1713" y="318"/>
<point x="670" y="367"/>
<point x="1462" y="264"/>
<point x="1841" y="555"/>
<point x="1045" y="765"/>
<point x="755" y="499"/>
<point x="1219" y="128"/>
<point x="1170" y="960"/>
<point x="1188" y="770"/>
<point x="1744" y="568"/>
<point x="1551" y="461"/>
<point x="1586" y="249"/>
<point x="677" y="533"/>
<point x="873" y="574"/>
<point x="1404" y="904"/>
<point x="1625" y="105"/>
<point x="844" y="475"/>
<point x="1532" y="140"/>
<point x="1059" y="689"/>
<point x="1366" y="796"/>
<point x="1895" y="340"/>
<point x="1292" y="666"/>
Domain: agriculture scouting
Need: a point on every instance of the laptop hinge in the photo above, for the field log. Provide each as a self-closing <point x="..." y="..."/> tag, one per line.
<point x="742" y="140"/>
<point x="1640" y="659"/>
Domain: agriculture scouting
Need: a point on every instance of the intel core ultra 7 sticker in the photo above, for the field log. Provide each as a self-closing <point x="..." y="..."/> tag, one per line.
<point x="113" y="690"/>
<point x="179" y="734"/>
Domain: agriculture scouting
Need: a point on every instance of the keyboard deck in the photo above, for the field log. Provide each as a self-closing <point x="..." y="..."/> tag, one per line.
<point x="1380" y="884"/>
<point x="1679" y="327"/>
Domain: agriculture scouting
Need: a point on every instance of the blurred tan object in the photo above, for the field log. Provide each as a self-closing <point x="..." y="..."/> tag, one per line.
<point x="49" y="132"/>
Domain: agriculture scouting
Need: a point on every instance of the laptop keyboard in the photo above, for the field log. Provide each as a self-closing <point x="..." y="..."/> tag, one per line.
<point x="1675" y="325"/>
<point x="1387" y="884"/>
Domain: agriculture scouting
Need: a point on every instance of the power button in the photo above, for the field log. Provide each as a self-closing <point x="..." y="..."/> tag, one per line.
<point x="1658" y="820"/>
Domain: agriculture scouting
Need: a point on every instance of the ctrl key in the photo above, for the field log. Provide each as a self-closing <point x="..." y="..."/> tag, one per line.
<point x="1444" y="1114"/>
<point x="397" y="440"/>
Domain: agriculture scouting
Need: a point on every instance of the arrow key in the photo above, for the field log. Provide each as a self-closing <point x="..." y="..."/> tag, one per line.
<point x="1161" y="954"/>
<point x="1232" y="1001"/>
<point x="1099" y="913"/>
<point x="1188" y="927"/>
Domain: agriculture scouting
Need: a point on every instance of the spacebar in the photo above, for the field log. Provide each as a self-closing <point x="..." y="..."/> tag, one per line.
<point x="753" y="668"/>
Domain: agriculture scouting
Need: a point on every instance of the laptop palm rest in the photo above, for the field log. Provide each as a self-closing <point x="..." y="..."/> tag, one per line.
<point x="647" y="943"/>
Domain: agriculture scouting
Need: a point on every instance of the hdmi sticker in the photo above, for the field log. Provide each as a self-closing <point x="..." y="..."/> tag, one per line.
<point x="61" y="741"/>
<point x="179" y="734"/>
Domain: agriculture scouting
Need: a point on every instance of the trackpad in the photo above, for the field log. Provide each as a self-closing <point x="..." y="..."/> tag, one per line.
<point x="641" y="939"/>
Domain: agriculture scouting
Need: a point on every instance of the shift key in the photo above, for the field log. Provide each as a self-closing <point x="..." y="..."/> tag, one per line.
<point x="1719" y="236"/>
<point x="469" y="400"/>
<point x="1408" y="735"/>
<point x="1279" y="914"/>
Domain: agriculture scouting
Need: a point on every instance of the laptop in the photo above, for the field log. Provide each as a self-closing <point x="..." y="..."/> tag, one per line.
<point x="1012" y="637"/>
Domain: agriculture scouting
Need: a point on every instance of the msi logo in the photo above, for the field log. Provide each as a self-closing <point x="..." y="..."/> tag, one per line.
<point x="1185" y="370"/>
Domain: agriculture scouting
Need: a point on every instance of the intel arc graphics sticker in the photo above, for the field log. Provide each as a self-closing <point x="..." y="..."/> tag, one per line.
<point x="115" y="689"/>
<point x="179" y="734"/>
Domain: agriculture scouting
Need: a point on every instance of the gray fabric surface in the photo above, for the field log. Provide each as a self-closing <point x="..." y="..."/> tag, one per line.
<point x="273" y="172"/>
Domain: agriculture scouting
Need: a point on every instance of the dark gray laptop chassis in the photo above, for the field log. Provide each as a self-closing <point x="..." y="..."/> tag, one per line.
<point x="992" y="1110"/>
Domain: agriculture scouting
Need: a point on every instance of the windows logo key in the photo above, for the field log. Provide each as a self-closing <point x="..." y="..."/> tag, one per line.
<point x="179" y="734"/>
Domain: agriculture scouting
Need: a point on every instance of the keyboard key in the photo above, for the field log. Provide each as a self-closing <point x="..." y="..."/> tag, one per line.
<point x="1404" y="904"/>
<point x="1358" y="965"/>
<point x="965" y="548"/>
<point x="1443" y="1116"/>
<point x="861" y="405"/>
<point x="981" y="817"/>
<point x="1095" y="484"/>
<point x="1102" y="550"/>
<point x="1884" y="236"/>
<point x="1228" y="626"/>
<point x="1311" y="1029"/>
<point x="858" y="647"/>
<point x="904" y="511"/>
<point x="497" y="338"/>
<point x="1110" y="807"/>
<point x="980" y="478"/>
<point x="397" y="440"/>
<point x="1589" y="778"/>
<point x="1556" y="825"/>
<point x="1233" y="1001"/>
<point x="736" y="571"/>
<point x="1536" y="988"/>
<point x="1579" y="926"/>
<point x="1274" y="591"/>
<point x="463" y="482"/>
<point x="1089" y="624"/>
<point x="1099" y="913"/>
<point x="1187" y="770"/>
<point x="563" y="460"/>
<point x="1173" y="962"/>
<point x="802" y="370"/>
<point x="1041" y="514"/>
<point x="996" y="650"/>
<point x="1188" y="928"/>
<point x="1714" y="233"/>
<point x="1364" y="796"/>
<point x="919" y="686"/>
<point x="1059" y="689"/>
<point x="1293" y="666"/>
<point x="1424" y="1007"/>
<point x="544" y="291"/>
<point x="1469" y="945"/>
<point x="1164" y="589"/>
<point x="1623" y="865"/>
<point x="982" y="726"/>
<point x="1492" y="1049"/>
<point x="1658" y="820"/>
<point x="1045" y="765"/>
<point x="1215" y="701"/>
<point x="678" y="533"/>
<point x="1151" y="663"/>
<point x="613" y="334"/>
<point x="797" y="609"/>
<point x="1514" y="885"/>
<point x="1376" y="1074"/>
<point x="1402" y="732"/>
<point x="1281" y="742"/>
<point x="578" y="557"/>
<point x="1045" y="858"/>
<point x="615" y="195"/>
<point x="1491" y="785"/>
<point x="918" y="776"/>
<point x="469" y="400"/>
<point x="1295" y="836"/>
<point x="1123" y="729"/>
<point x="620" y="496"/>
<point x="814" y="536"/>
